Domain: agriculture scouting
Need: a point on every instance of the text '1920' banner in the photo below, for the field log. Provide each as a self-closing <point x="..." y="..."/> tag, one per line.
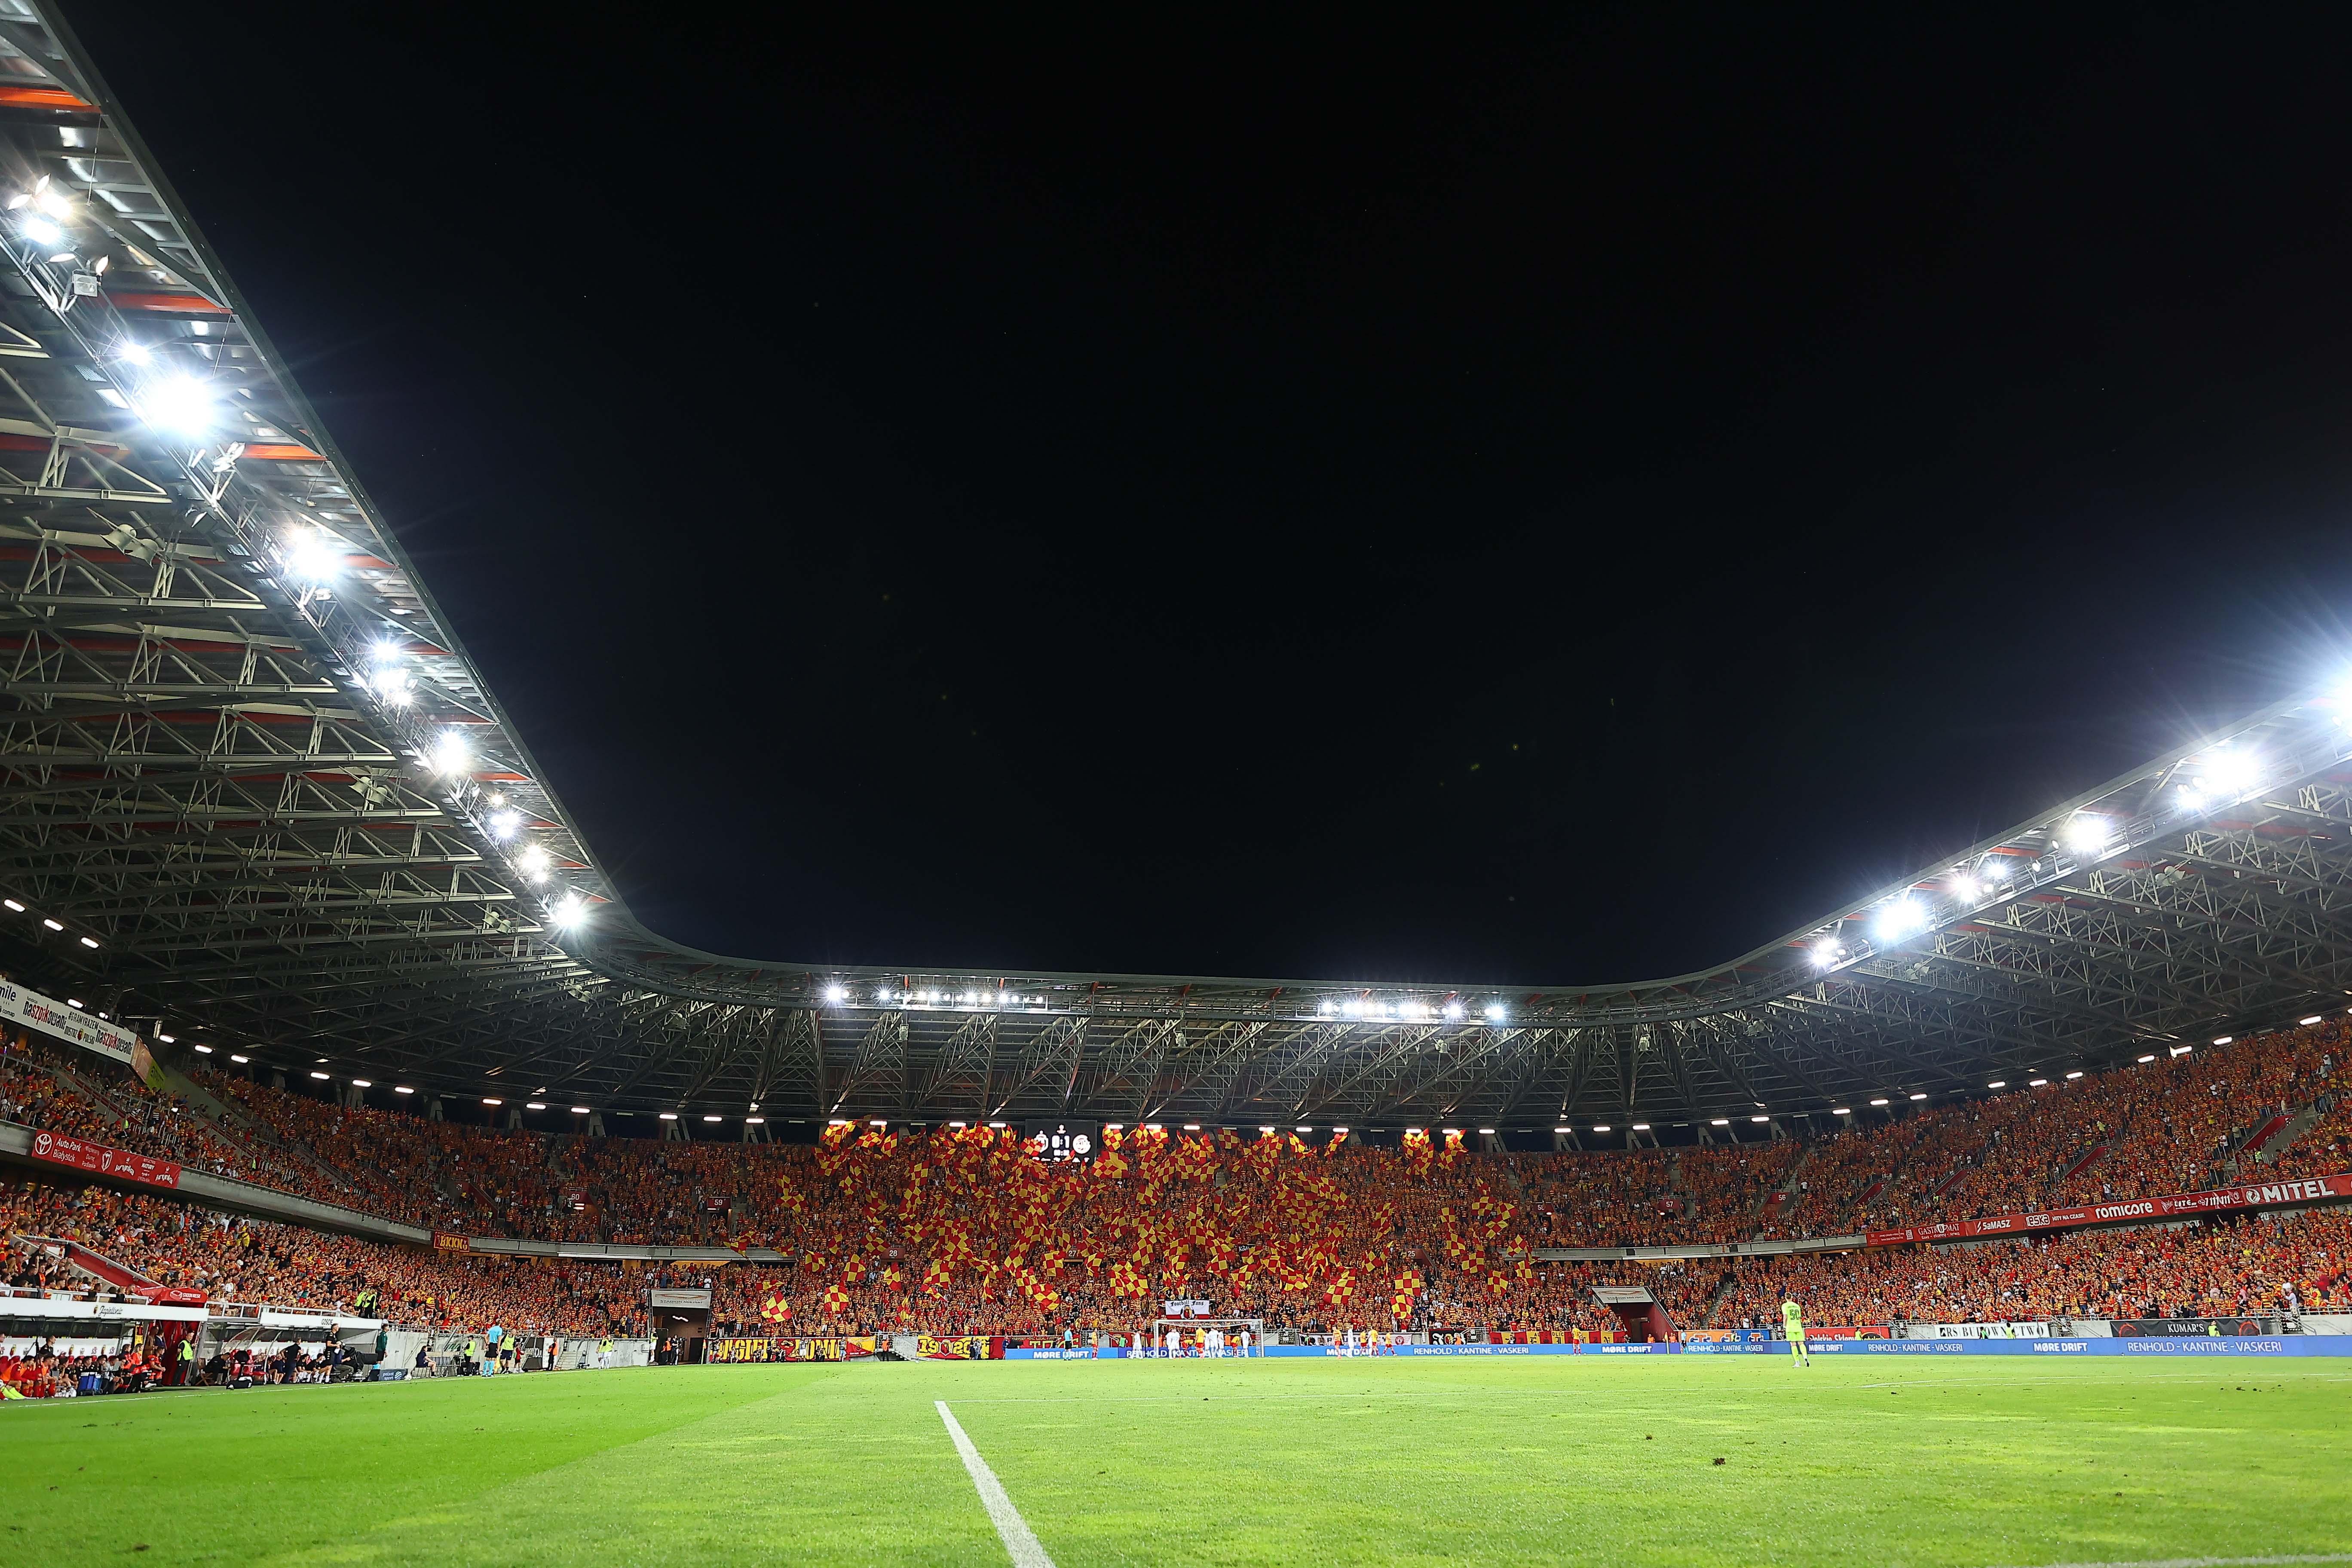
<point x="84" y="1155"/>
<point x="2174" y="1206"/>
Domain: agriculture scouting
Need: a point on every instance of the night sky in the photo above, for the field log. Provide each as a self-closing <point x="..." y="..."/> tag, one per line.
<point x="1358" y="498"/>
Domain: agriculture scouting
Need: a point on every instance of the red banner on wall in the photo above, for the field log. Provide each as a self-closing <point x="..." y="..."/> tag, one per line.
<point x="84" y="1155"/>
<point x="444" y="1242"/>
<point x="2174" y="1206"/>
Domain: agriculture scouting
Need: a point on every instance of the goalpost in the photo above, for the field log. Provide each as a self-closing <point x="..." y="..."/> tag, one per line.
<point x="1190" y="1345"/>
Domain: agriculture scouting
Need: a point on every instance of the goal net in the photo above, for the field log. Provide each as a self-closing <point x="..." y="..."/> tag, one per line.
<point x="1192" y="1337"/>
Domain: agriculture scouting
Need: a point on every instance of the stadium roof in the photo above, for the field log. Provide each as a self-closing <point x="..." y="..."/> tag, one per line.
<point x="255" y="788"/>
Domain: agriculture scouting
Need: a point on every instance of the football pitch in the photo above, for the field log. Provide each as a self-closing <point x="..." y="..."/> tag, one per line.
<point x="1974" y="1462"/>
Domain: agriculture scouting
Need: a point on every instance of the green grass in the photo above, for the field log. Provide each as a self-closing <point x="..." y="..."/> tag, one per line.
<point x="1561" y="1459"/>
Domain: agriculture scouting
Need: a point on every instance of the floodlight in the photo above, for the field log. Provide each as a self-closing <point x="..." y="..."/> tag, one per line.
<point x="136" y="352"/>
<point x="1878" y="1102"/>
<point x="2220" y="1040"/>
<point x="836" y="993"/>
<point x="2312" y="1019"/>
<point x="2149" y="1058"/>
<point x="533" y="861"/>
<point x="1759" y="1119"/>
<point x="394" y="685"/>
<point x="320" y="1076"/>
<point x="1353" y="1008"/>
<point x="503" y="824"/>
<point x="89" y="942"/>
<point x="13" y="905"/>
<point x="1602" y="1127"/>
<point x="1266" y="1129"/>
<point x="1919" y="1096"/>
<point x="312" y="558"/>
<point x="1967" y="889"/>
<point x="452" y="753"/>
<point x="2181" y="1050"/>
<point x="1454" y="1010"/>
<point x="235" y="1057"/>
<point x="710" y="1119"/>
<point x="1900" y="918"/>
<point x="2232" y="772"/>
<point x="571" y="911"/>
<point x="1563" y="1128"/>
<point x="2191" y="798"/>
<point x="1998" y="1083"/>
<point x="672" y="1116"/>
<point x="1306" y="1130"/>
<point x="2036" y="1082"/>
<point x="1485" y="1132"/>
<point x="1496" y="1012"/>
<point x="178" y="405"/>
<point x="40" y="231"/>
<point x="1191" y="1127"/>
<point x="2073" y="1076"/>
<point x="2085" y="833"/>
<point x="755" y="1121"/>
<point x="1827" y="952"/>
<point x="487" y="1100"/>
<point x="52" y="201"/>
<point x="528" y="1105"/>
<point x="1339" y="1131"/>
<point x="54" y="926"/>
<point x="1842" y="1110"/>
<point x="1720" y="1122"/>
<point x="579" y="1111"/>
<point x="883" y="996"/>
<point x="1641" y="1127"/>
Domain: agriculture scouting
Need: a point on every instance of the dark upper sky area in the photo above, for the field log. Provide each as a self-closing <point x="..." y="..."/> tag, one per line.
<point x="1341" y="498"/>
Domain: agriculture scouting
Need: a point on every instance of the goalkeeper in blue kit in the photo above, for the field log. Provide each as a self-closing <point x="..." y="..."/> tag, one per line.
<point x="1793" y="1317"/>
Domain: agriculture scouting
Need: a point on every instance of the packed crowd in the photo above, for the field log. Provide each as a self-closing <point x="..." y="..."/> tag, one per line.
<point x="962" y="1230"/>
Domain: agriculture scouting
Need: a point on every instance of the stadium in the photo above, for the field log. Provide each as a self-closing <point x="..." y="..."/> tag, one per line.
<point x="376" y="1187"/>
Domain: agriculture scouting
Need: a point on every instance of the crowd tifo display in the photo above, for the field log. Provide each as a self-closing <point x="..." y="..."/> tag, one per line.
<point x="962" y="1231"/>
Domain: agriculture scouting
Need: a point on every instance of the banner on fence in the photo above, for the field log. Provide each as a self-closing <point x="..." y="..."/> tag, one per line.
<point x="84" y="1155"/>
<point x="86" y="1030"/>
<point x="2180" y="1328"/>
<point x="963" y="1347"/>
<point x="1979" y="1331"/>
<point x="2173" y="1205"/>
<point x="442" y="1241"/>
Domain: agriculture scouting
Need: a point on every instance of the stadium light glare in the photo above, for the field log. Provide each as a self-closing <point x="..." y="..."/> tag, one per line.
<point x="1878" y="1102"/>
<point x="958" y="1126"/>
<point x="1720" y="1122"/>
<point x="2181" y="1050"/>
<point x="2307" y="1022"/>
<point x="579" y="1111"/>
<point x="1107" y="1126"/>
<point x="363" y="1083"/>
<point x="2035" y="1082"/>
<point x="875" y="1121"/>
<point x="1759" y="1119"/>
<point x="396" y="1089"/>
<point x="1997" y="869"/>
<point x="672" y="1116"/>
<point x="710" y="1119"/>
<point x="2191" y="798"/>
<point x="1148" y="1127"/>
<point x="2220" y="1040"/>
<point x="40" y="231"/>
<point x="1453" y="1011"/>
<point x="13" y="905"/>
<point x="1998" y="1083"/>
<point x="1412" y="1131"/>
<point x="534" y="861"/>
<point x="1902" y="917"/>
<point x="1826" y="952"/>
<point x="1563" y="1128"/>
<point x="505" y="824"/>
<point x="1841" y="1110"/>
<point x="755" y="1121"/>
<point x="883" y="996"/>
<point x="1967" y="889"/>
<point x="1339" y="1131"/>
<point x="1641" y="1127"/>
<point x="2073" y="1076"/>
<point x="1266" y="1129"/>
<point x="89" y="942"/>
<point x="452" y="754"/>
<point x="1496" y="1012"/>
<point x="571" y="911"/>
<point x="235" y="1057"/>
<point x="836" y="993"/>
<point x="2143" y="1060"/>
<point x="2232" y="772"/>
<point x="178" y="405"/>
<point x="1919" y="1096"/>
<point x="529" y="1105"/>
<point x="309" y="556"/>
<point x="134" y="351"/>
<point x="1602" y="1127"/>
<point x="53" y="926"/>
<point x="201" y="1051"/>
<point x="1306" y="1130"/>
<point x="320" y="1076"/>
<point x="487" y="1100"/>
<point x="2085" y="833"/>
<point x="1191" y="1127"/>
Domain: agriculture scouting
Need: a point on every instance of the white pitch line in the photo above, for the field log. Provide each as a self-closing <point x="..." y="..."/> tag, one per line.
<point x="1020" y="1540"/>
<point x="2211" y="1562"/>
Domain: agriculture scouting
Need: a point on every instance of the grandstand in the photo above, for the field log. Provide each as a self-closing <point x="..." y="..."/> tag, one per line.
<point x="326" y="1043"/>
